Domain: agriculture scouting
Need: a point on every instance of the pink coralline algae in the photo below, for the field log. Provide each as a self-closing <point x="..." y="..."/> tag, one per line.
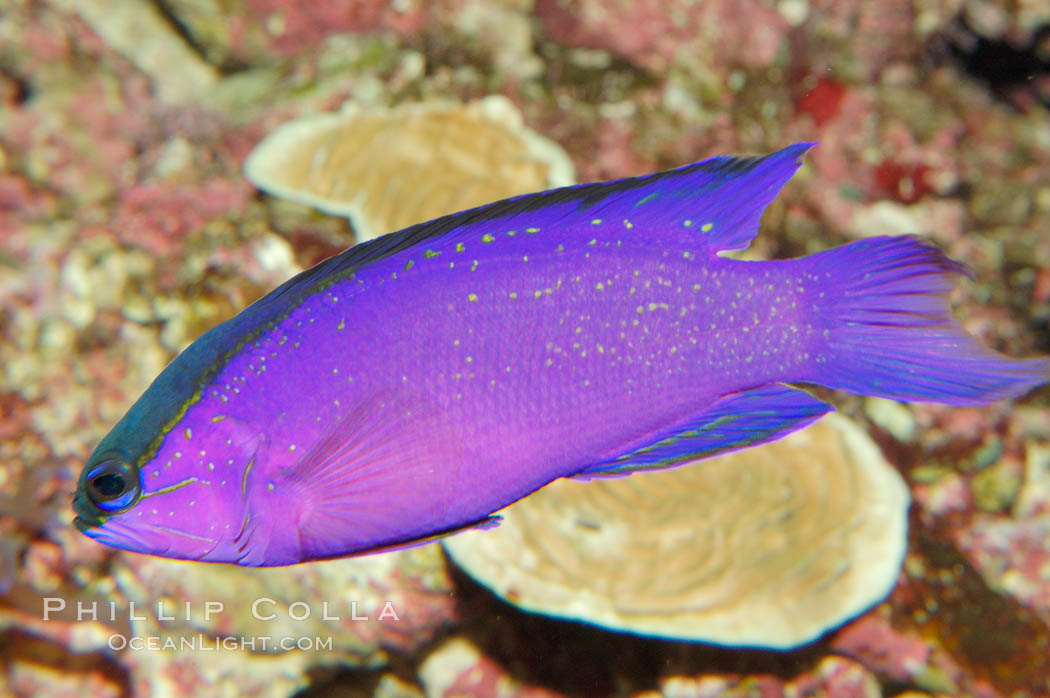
<point x="877" y="34"/>
<point x="295" y="26"/>
<point x="655" y="34"/>
<point x="157" y="217"/>
<point x="891" y="654"/>
<point x="1015" y="556"/>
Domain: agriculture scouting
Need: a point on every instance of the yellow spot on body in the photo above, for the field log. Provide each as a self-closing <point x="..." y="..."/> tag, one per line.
<point x="525" y="258"/>
<point x="474" y="265"/>
<point x="537" y="294"/>
<point x="189" y="434"/>
<point x="548" y="363"/>
<point x="627" y="224"/>
<point x="409" y="265"/>
<point x="473" y="297"/>
<point x="292" y="447"/>
<point x="593" y="242"/>
<point x="487" y="238"/>
<point x="342" y="324"/>
<point x="687" y="255"/>
<point x="687" y="223"/>
<point x="600" y="286"/>
<point x="335" y="371"/>
<point x="218" y="418"/>
<point x="532" y="230"/>
<point x="430" y="254"/>
<point x="706" y="227"/>
<point x="513" y="294"/>
<point x="459" y="247"/>
<point x="596" y="221"/>
<point x="244" y="479"/>
<point x="639" y="310"/>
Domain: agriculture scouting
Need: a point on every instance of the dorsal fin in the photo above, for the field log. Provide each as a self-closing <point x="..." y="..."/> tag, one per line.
<point x="712" y="205"/>
<point x="729" y="192"/>
<point x="726" y="191"/>
<point x="717" y="202"/>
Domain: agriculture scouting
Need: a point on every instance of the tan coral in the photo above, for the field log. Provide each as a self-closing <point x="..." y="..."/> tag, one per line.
<point x="767" y="547"/>
<point x="139" y="32"/>
<point x="386" y="169"/>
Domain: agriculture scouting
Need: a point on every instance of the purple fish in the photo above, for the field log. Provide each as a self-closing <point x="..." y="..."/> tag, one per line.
<point x="415" y="384"/>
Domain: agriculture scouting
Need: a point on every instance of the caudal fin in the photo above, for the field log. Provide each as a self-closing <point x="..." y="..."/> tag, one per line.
<point x="888" y="331"/>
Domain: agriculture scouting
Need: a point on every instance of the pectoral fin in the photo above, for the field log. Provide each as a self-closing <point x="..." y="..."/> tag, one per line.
<point x="383" y="474"/>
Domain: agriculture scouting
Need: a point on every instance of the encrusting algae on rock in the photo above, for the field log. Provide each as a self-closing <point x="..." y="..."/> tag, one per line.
<point x="416" y="384"/>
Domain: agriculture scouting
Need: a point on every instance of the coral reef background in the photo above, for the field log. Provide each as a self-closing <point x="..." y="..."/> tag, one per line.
<point x="127" y="228"/>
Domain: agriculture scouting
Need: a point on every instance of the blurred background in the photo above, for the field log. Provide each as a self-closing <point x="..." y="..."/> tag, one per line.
<point x="128" y="226"/>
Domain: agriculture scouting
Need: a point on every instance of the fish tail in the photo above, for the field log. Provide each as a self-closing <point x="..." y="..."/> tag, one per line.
<point x="883" y="318"/>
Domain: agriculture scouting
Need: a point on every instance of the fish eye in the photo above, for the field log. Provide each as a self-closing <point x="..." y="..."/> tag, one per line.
<point x="112" y="485"/>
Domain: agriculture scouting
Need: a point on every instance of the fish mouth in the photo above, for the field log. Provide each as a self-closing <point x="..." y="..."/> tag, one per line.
<point x="86" y="517"/>
<point x="123" y="536"/>
<point x="108" y="530"/>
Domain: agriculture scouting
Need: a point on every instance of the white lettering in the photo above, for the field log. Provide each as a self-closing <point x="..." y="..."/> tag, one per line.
<point x="255" y="609"/>
<point x="160" y="612"/>
<point x="388" y="612"/>
<point x="306" y="611"/>
<point x="50" y="605"/>
<point x="211" y="607"/>
<point x="87" y="610"/>
<point x="131" y="613"/>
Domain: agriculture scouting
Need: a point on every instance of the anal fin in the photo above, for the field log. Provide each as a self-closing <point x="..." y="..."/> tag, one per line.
<point x="734" y="422"/>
